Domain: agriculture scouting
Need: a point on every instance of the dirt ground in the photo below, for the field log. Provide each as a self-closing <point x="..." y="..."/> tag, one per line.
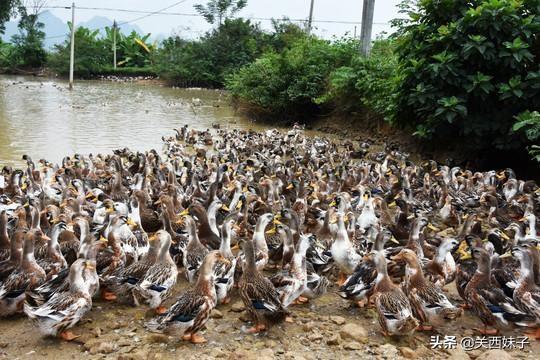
<point x="326" y="328"/>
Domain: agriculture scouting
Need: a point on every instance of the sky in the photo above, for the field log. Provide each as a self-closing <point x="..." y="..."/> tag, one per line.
<point x="189" y="26"/>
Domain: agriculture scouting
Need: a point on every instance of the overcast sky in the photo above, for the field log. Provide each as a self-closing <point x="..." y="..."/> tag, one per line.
<point x="334" y="10"/>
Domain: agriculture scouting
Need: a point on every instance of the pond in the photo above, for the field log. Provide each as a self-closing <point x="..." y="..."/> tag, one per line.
<point x="42" y="118"/>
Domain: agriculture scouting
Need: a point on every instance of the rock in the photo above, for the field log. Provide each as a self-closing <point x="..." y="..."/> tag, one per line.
<point x="217" y="353"/>
<point x="222" y="328"/>
<point x="315" y="336"/>
<point x="103" y="348"/>
<point x="216" y="314"/>
<point x="354" y="332"/>
<point x="334" y="340"/>
<point x="407" y="352"/>
<point x="458" y="354"/>
<point x="244" y="318"/>
<point x="157" y="339"/>
<point x="495" y="354"/>
<point x="265" y="354"/>
<point x="388" y="351"/>
<point x="237" y="307"/>
<point x="338" y="320"/>
<point x="97" y="331"/>
<point x="353" y="345"/>
<point x="308" y="326"/>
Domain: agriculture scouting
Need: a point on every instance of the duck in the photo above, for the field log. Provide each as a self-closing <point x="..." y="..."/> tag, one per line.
<point x="192" y="308"/>
<point x="343" y="252"/>
<point x="428" y="301"/>
<point x="5" y="245"/>
<point x="27" y="276"/>
<point x="206" y="236"/>
<point x="225" y="275"/>
<point x="195" y="251"/>
<point x="124" y="281"/>
<point x="15" y="255"/>
<point x="360" y="284"/>
<point x="65" y="309"/>
<point x="292" y="284"/>
<point x="527" y="293"/>
<point x="394" y="310"/>
<point x="260" y="297"/>
<point x="488" y="302"/>
<point x="157" y="283"/>
<point x="441" y="270"/>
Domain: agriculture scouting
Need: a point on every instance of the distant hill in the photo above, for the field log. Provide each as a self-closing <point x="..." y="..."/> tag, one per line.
<point x="54" y="27"/>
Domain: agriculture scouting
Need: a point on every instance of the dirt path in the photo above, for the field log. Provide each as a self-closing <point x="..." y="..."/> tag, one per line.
<point x="327" y="328"/>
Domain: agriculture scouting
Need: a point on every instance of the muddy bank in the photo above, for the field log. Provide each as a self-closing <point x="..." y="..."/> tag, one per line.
<point x="326" y="328"/>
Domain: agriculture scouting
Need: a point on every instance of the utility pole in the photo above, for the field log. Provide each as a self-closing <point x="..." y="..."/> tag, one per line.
<point x="310" y="16"/>
<point x="367" y="25"/>
<point x="72" y="52"/>
<point x="114" y="44"/>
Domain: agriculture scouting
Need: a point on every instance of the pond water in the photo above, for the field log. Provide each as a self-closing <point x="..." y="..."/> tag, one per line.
<point x="42" y="118"/>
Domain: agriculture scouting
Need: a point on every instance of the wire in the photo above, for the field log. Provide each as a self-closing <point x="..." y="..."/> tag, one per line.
<point x="162" y="12"/>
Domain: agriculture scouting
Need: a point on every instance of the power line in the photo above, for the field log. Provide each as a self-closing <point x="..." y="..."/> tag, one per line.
<point x="198" y="15"/>
<point x="162" y="12"/>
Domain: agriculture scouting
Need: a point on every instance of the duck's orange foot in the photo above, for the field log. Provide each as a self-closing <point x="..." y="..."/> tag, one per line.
<point x="107" y="295"/>
<point x="486" y="331"/>
<point x="289" y="319"/>
<point x="160" y="310"/>
<point x="226" y="300"/>
<point x="424" y="328"/>
<point x="186" y="337"/>
<point x="303" y="300"/>
<point x="197" y="339"/>
<point x="533" y="335"/>
<point x="68" y="336"/>
<point x="341" y="280"/>
<point x="465" y="306"/>
<point x="256" y="329"/>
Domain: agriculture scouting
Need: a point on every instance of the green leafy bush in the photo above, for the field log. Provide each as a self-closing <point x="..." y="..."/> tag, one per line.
<point x="294" y="81"/>
<point x="92" y="54"/>
<point x="528" y="125"/>
<point x="467" y="68"/>
<point x="207" y="61"/>
<point x="368" y="83"/>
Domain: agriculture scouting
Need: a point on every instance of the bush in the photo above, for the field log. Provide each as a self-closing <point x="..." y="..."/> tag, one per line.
<point x="208" y="61"/>
<point x="369" y="82"/>
<point x="91" y="54"/>
<point x="292" y="82"/>
<point x="528" y="126"/>
<point x="467" y="68"/>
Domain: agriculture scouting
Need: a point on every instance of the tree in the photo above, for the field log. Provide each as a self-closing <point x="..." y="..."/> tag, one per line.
<point x="219" y="10"/>
<point x="28" y="44"/>
<point x="7" y="9"/>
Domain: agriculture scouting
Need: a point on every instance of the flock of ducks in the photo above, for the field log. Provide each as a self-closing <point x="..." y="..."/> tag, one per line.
<point x="273" y="218"/>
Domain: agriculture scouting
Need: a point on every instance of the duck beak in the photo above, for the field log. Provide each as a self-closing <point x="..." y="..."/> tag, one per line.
<point x="505" y="255"/>
<point x="131" y="222"/>
<point x="239" y="205"/>
<point x="277" y="216"/>
<point x="431" y="227"/>
<point x="90" y="195"/>
<point x="89" y="266"/>
<point x="26" y="204"/>
<point x="392" y="204"/>
<point x="271" y="231"/>
<point x="235" y="247"/>
<point x="410" y="217"/>
<point x="277" y="222"/>
<point x="184" y="213"/>
<point x="157" y="202"/>
<point x="152" y="238"/>
<point x="465" y="256"/>
<point x="504" y="236"/>
<point x="225" y="208"/>
<point x="236" y="228"/>
<point x="45" y="237"/>
<point x="394" y="240"/>
<point x="103" y="239"/>
<point x="290" y="186"/>
<point x="333" y="203"/>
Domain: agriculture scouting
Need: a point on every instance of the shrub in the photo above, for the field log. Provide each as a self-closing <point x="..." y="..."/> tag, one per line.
<point x="207" y="61"/>
<point x="468" y="67"/>
<point x="294" y="81"/>
<point x="369" y="82"/>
